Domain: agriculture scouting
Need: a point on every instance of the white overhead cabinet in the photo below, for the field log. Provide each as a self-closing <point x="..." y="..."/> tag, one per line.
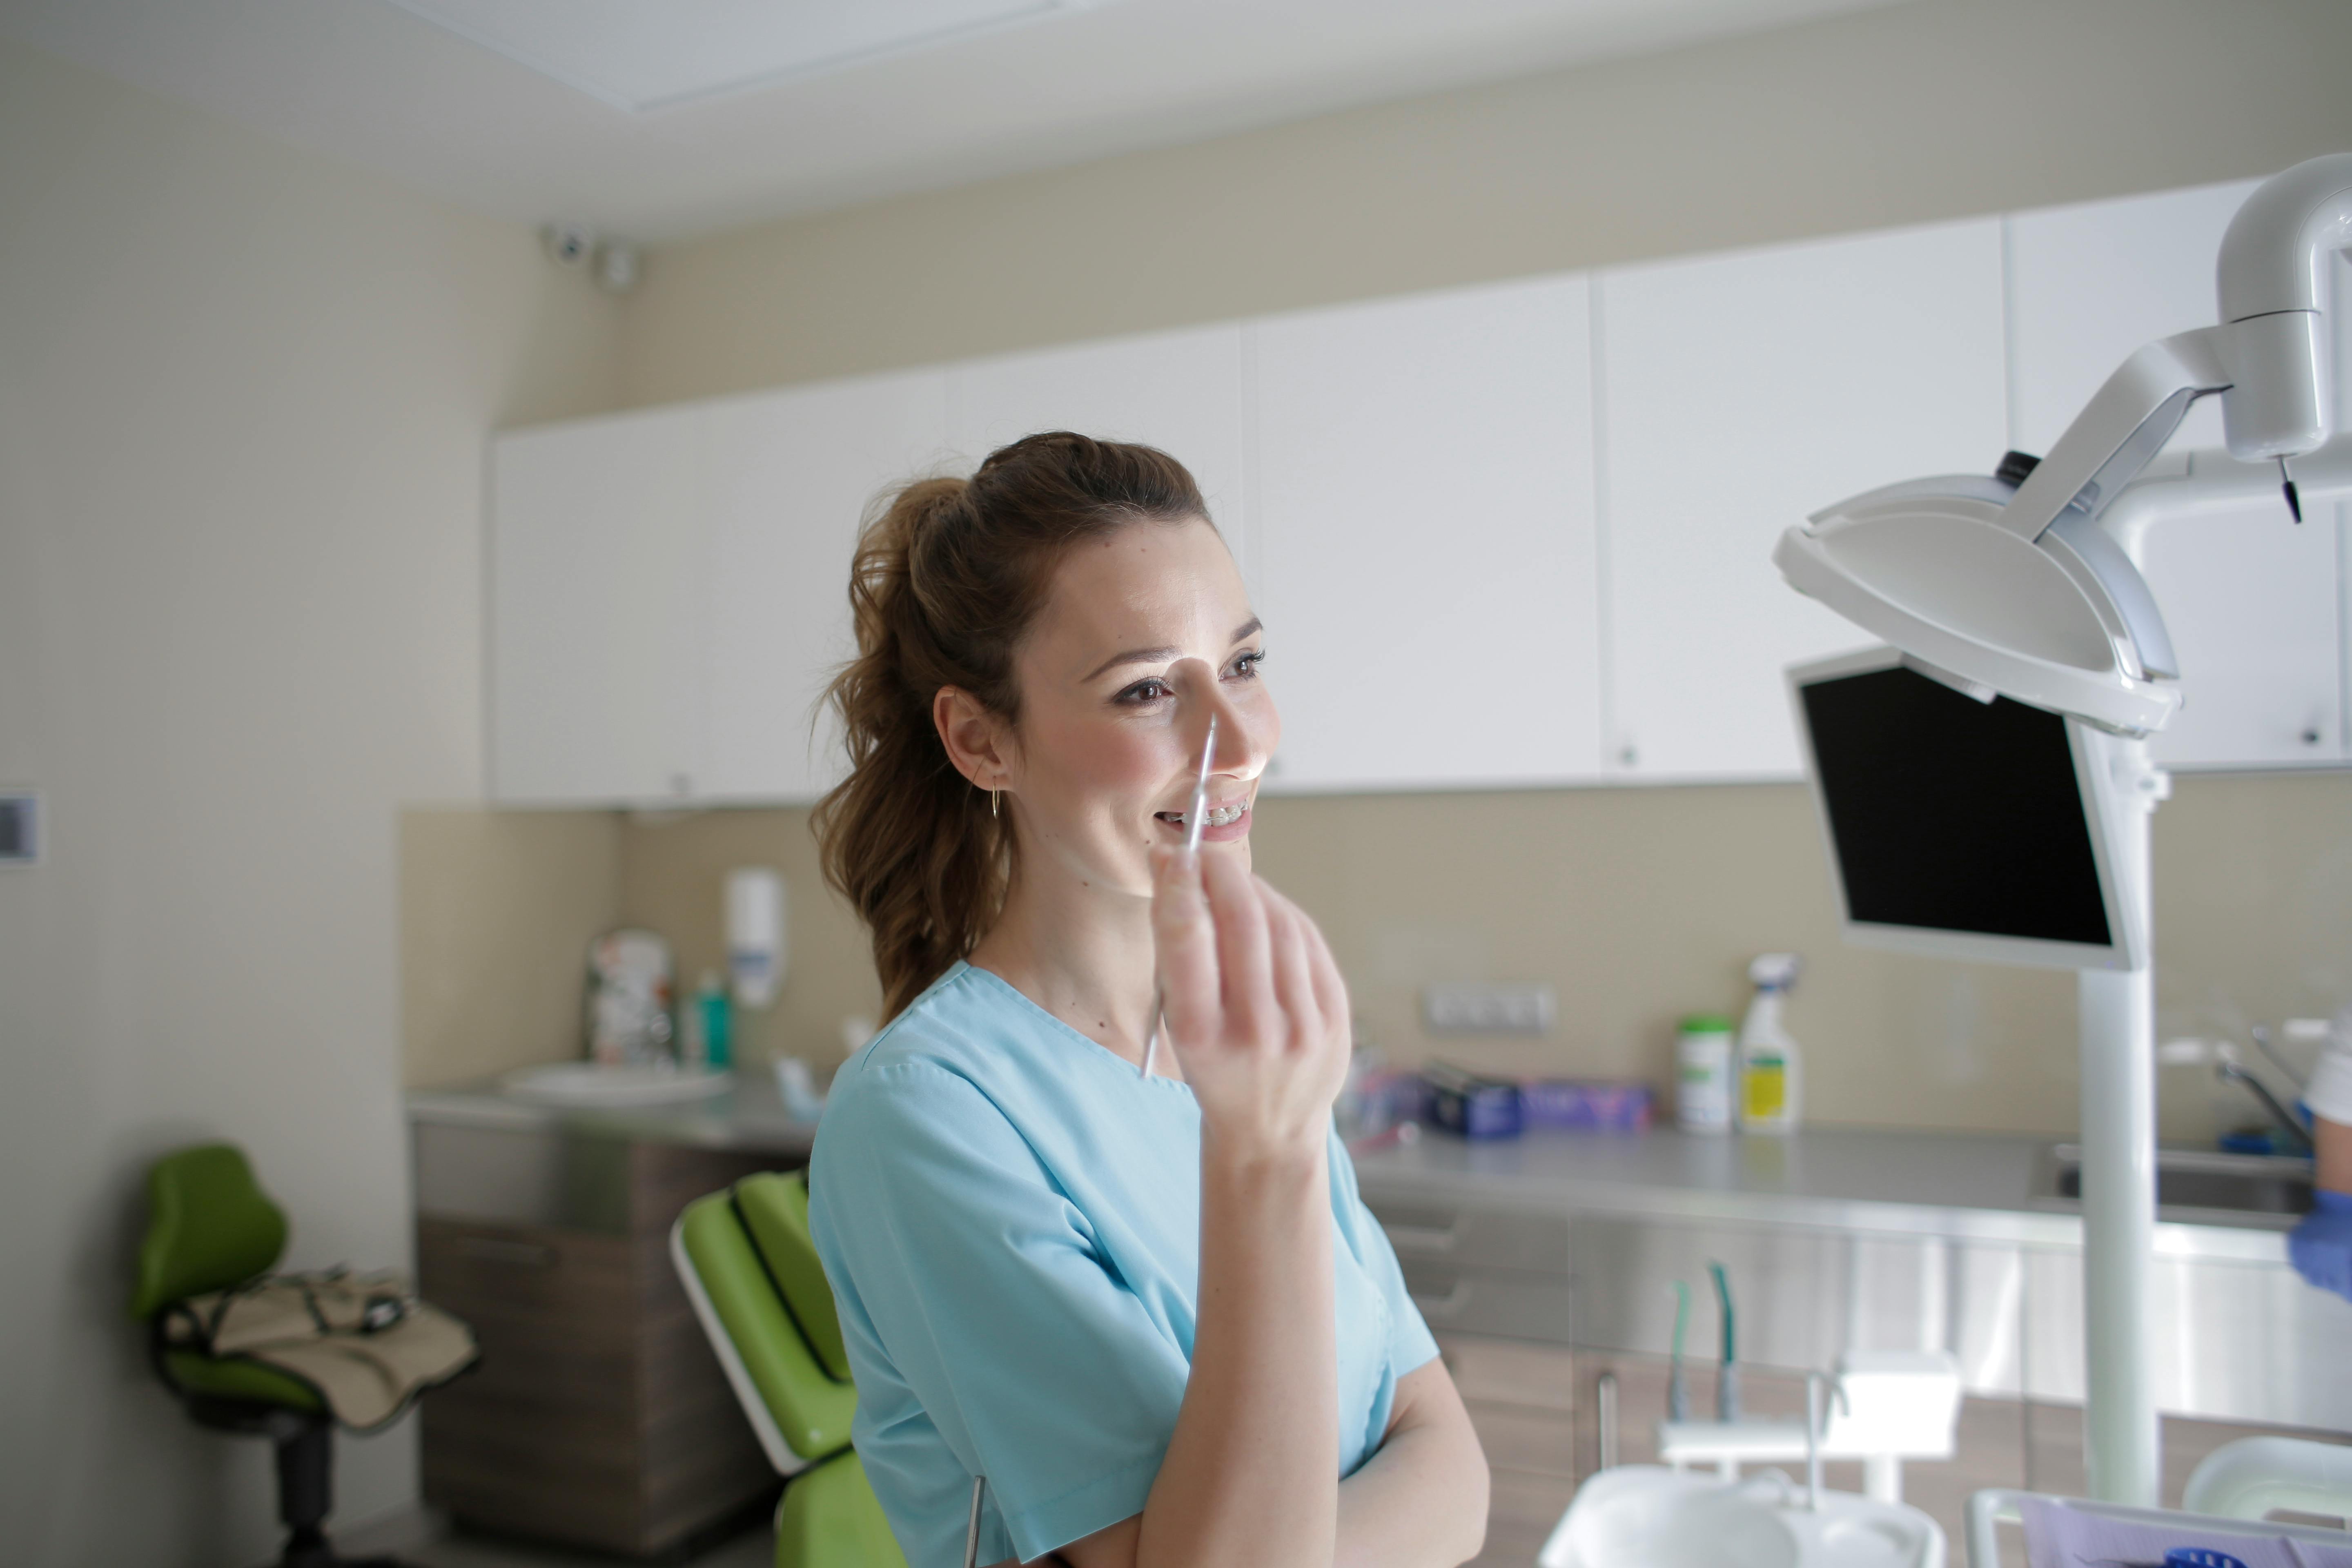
<point x="2254" y="602"/>
<point x="670" y="590"/>
<point x="1424" y="511"/>
<point x="1740" y="393"/>
<point x="596" y="672"/>
<point x="787" y="478"/>
<point x="1183" y="392"/>
<point x="1507" y="536"/>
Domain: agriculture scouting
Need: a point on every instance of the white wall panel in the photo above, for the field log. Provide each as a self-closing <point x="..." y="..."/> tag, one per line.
<point x="1741" y="392"/>
<point x="1426" y="532"/>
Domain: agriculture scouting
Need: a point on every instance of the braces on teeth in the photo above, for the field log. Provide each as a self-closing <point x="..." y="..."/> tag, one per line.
<point x="1216" y="816"/>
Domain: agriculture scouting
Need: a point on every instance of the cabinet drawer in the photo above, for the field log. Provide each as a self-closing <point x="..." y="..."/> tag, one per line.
<point x="1475" y="1237"/>
<point x="559" y="1279"/>
<point x="1515" y="1306"/>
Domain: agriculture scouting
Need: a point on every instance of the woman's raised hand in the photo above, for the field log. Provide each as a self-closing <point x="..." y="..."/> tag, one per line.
<point x="1252" y="1002"/>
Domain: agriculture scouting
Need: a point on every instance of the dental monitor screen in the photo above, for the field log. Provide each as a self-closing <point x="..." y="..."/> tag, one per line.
<point x="1958" y="828"/>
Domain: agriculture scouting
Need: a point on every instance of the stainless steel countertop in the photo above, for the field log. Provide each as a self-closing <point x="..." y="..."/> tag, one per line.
<point x="749" y="1117"/>
<point x="1966" y="1186"/>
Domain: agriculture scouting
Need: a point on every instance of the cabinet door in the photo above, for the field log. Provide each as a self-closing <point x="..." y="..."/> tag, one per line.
<point x="594" y="641"/>
<point x="787" y="478"/>
<point x="1739" y="393"/>
<point x="2252" y="600"/>
<point x="1181" y="391"/>
<point x="1425" y="511"/>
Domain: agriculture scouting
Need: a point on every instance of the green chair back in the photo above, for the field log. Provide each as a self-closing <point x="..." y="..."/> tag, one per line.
<point x="775" y="1210"/>
<point x="772" y="1340"/>
<point x="209" y="1226"/>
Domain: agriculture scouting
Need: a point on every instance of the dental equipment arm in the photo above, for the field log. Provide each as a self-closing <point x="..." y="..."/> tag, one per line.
<point x="2269" y="358"/>
<point x="2023" y="585"/>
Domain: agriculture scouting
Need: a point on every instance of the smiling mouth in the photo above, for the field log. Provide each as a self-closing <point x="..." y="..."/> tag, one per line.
<point x="1216" y="816"/>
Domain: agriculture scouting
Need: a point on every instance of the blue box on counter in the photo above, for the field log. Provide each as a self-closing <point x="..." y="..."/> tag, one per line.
<point x="1471" y="1106"/>
<point x="1586" y="1105"/>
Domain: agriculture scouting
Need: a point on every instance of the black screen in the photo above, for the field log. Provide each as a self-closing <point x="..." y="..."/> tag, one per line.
<point x="1953" y="815"/>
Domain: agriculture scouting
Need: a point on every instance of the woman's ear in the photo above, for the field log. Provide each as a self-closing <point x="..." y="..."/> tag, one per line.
<point x="976" y="741"/>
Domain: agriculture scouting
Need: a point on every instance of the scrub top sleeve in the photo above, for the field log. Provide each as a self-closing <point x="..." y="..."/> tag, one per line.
<point x="1410" y="1345"/>
<point x="1039" y="1368"/>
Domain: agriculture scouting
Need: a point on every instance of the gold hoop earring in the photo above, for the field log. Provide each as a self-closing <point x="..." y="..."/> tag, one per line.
<point x="991" y="802"/>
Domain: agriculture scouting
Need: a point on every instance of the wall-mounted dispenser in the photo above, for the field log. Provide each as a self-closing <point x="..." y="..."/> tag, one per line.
<point x="755" y="934"/>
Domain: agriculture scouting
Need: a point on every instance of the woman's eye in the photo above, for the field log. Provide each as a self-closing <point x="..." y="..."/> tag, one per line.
<point x="1245" y="667"/>
<point x="1144" y="691"/>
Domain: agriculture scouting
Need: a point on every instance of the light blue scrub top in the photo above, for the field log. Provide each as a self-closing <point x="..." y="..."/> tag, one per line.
<point x="1010" y="1215"/>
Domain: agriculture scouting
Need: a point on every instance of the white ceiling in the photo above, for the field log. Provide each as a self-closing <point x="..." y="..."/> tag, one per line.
<point x="755" y="109"/>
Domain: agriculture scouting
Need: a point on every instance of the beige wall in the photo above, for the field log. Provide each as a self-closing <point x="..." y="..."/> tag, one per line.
<point x="243" y="395"/>
<point x="1637" y="904"/>
<point x="1915" y="112"/>
<point x="497" y="910"/>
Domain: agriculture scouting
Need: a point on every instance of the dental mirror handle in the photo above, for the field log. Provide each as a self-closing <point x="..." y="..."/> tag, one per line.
<point x="1194" y="819"/>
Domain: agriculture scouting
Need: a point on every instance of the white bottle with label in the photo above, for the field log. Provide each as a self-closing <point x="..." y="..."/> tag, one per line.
<point x="1771" y="1070"/>
<point x="1703" y="1074"/>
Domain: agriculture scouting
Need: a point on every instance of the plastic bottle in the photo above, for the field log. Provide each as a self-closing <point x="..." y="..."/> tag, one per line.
<point x="1771" y="1070"/>
<point x="1703" y="1098"/>
<point x="717" y="1018"/>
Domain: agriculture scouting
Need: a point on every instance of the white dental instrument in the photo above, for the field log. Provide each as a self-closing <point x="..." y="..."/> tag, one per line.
<point x="1195" y="820"/>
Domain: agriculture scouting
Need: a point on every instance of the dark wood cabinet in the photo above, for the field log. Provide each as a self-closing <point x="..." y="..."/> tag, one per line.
<point x="598" y="1416"/>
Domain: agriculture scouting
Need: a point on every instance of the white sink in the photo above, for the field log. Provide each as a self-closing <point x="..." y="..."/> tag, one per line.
<point x="587" y="1083"/>
<point x="1646" y="1516"/>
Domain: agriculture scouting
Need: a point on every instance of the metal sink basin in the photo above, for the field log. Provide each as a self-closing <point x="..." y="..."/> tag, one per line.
<point x="2192" y="1180"/>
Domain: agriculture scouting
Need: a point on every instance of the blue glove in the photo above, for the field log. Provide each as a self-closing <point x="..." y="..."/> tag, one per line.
<point x="2321" y="1246"/>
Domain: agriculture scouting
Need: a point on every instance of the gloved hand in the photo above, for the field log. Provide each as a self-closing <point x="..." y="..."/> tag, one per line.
<point x="2321" y="1246"/>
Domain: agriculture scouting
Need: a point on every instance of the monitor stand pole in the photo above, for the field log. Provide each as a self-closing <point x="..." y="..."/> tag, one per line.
<point x="2117" y="1019"/>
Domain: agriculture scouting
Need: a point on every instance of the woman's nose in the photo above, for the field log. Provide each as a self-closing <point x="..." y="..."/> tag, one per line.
<point x="1243" y="742"/>
<point x="1244" y="738"/>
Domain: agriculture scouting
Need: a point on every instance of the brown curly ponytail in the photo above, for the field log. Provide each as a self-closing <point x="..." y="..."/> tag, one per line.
<point x="947" y="575"/>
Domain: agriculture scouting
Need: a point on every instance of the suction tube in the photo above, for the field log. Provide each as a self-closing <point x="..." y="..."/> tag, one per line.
<point x="1726" y="1386"/>
<point x="1677" y="1386"/>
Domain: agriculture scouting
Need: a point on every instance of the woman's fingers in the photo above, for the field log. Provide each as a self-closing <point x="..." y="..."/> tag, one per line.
<point x="1330" y="989"/>
<point x="1294" y="977"/>
<point x="1244" y="969"/>
<point x="1187" y="942"/>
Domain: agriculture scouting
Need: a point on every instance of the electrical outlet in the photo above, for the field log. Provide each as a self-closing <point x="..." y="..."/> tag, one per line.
<point x="1487" y="1009"/>
<point x="20" y="827"/>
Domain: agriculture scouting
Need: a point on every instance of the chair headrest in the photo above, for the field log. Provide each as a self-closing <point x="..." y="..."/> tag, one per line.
<point x="209" y="1226"/>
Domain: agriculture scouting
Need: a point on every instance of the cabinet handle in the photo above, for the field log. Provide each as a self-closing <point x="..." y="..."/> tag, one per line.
<point x="520" y="1254"/>
<point x="1423" y="1240"/>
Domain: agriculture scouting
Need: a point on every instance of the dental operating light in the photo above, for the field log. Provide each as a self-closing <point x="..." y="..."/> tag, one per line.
<point x="2008" y="583"/>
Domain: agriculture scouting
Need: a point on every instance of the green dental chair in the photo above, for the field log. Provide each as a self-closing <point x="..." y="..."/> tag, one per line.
<point x="210" y="1226"/>
<point x="753" y="1274"/>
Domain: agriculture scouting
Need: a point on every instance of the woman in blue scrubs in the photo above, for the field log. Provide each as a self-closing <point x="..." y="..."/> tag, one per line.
<point x="1149" y="1309"/>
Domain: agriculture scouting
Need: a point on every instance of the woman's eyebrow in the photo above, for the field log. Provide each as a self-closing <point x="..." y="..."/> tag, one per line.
<point x="1134" y="655"/>
<point x="1242" y="633"/>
